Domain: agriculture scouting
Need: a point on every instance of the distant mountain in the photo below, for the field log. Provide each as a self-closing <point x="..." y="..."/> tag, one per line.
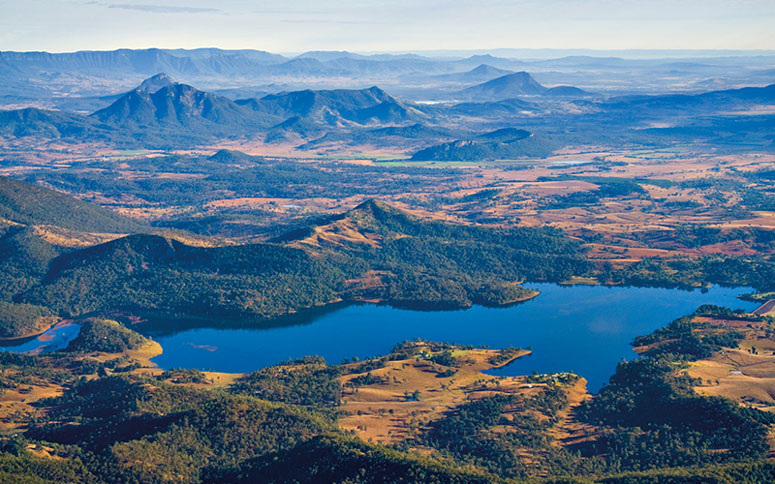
<point x="483" y="70"/>
<point x="515" y="85"/>
<point x="232" y="157"/>
<point x="565" y="91"/>
<point x="507" y="143"/>
<point x="164" y="113"/>
<point x="142" y="62"/>
<point x="481" y="73"/>
<point x="327" y="55"/>
<point x="180" y="111"/>
<point x="337" y="107"/>
<point x="292" y="129"/>
<point x="490" y="60"/>
<point x="304" y="67"/>
<point x="153" y="84"/>
<point x="709" y="102"/>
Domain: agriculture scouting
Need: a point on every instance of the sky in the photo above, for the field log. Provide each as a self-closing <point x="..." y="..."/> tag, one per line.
<point x="294" y="26"/>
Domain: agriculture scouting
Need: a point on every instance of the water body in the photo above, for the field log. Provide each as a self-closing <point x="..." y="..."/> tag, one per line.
<point x="56" y="338"/>
<point x="584" y="329"/>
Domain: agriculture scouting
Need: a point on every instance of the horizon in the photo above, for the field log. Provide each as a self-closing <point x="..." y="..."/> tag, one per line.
<point x="447" y="54"/>
<point x="421" y="25"/>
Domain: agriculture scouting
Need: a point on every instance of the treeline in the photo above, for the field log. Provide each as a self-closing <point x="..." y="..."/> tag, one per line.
<point x="19" y="320"/>
<point x="686" y="272"/>
<point x="425" y="264"/>
<point x="342" y="460"/>
<point x="151" y="272"/>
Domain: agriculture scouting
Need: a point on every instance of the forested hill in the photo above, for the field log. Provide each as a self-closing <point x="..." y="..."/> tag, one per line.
<point x="37" y="225"/>
<point x="28" y="204"/>
<point x="371" y="252"/>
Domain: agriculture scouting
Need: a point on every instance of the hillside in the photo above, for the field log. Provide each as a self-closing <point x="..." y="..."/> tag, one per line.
<point x="29" y="204"/>
<point x="336" y="107"/>
<point x="179" y="110"/>
<point x="149" y="272"/>
<point x="481" y="73"/>
<point x="417" y="262"/>
<point x="503" y="144"/>
<point x="42" y="123"/>
<point x="515" y="85"/>
<point x="37" y="225"/>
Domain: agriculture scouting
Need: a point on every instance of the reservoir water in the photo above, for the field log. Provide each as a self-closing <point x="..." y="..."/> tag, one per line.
<point x="56" y="338"/>
<point x="584" y="329"/>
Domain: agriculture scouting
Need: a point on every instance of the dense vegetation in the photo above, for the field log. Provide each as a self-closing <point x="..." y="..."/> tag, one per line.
<point x="428" y="264"/>
<point x="152" y="272"/>
<point x="18" y="320"/>
<point x="308" y="382"/>
<point x="339" y="460"/>
<point x="442" y="265"/>
<point x="30" y="204"/>
<point x="105" y="336"/>
<point x="137" y="430"/>
<point x="659" y="420"/>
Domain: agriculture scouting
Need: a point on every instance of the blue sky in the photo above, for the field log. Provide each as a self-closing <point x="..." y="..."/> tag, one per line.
<point x="397" y="25"/>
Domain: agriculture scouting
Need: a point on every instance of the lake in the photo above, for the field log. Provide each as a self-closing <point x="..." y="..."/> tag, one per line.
<point x="56" y="338"/>
<point x="584" y="329"/>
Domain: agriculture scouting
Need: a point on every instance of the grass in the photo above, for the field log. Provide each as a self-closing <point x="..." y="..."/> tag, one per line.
<point x="385" y="411"/>
<point x="745" y="374"/>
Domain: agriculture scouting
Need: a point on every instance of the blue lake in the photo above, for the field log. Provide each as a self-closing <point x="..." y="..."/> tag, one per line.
<point x="56" y="338"/>
<point x="584" y="329"/>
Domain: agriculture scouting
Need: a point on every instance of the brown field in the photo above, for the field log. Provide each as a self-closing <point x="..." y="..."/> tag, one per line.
<point x="745" y="374"/>
<point x="17" y="405"/>
<point x="386" y="412"/>
<point x="521" y="199"/>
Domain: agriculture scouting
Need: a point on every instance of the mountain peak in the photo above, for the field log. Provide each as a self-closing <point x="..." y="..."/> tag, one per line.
<point x="154" y="83"/>
<point x="505" y="87"/>
<point x="484" y="69"/>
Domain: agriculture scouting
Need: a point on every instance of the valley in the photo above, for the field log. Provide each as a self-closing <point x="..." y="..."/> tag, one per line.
<point x="236" y="266"/>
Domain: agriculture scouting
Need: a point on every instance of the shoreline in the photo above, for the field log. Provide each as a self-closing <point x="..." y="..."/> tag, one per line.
<point x="58" y="324"/>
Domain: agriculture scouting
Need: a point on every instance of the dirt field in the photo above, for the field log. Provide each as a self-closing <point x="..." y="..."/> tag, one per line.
<point x="405" y="395"/>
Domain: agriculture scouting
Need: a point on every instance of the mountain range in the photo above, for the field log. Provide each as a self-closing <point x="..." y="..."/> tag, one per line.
<point x="162" y="113"/>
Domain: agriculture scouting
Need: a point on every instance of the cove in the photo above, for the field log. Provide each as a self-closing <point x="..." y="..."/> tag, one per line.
<point x="54" y="339"/>
<point x="584" y="329"/>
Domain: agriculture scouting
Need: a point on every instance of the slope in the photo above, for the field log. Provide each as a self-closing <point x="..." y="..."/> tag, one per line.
<point x="507" y="143"/>
<point x="341" y="107"/>
<point x="515" y="85"/>
<point x="417" y="263"/>
<point x="28" y="204"/>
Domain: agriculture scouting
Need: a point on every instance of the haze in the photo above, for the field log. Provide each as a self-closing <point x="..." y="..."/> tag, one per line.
<point x="368" y="25"/>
